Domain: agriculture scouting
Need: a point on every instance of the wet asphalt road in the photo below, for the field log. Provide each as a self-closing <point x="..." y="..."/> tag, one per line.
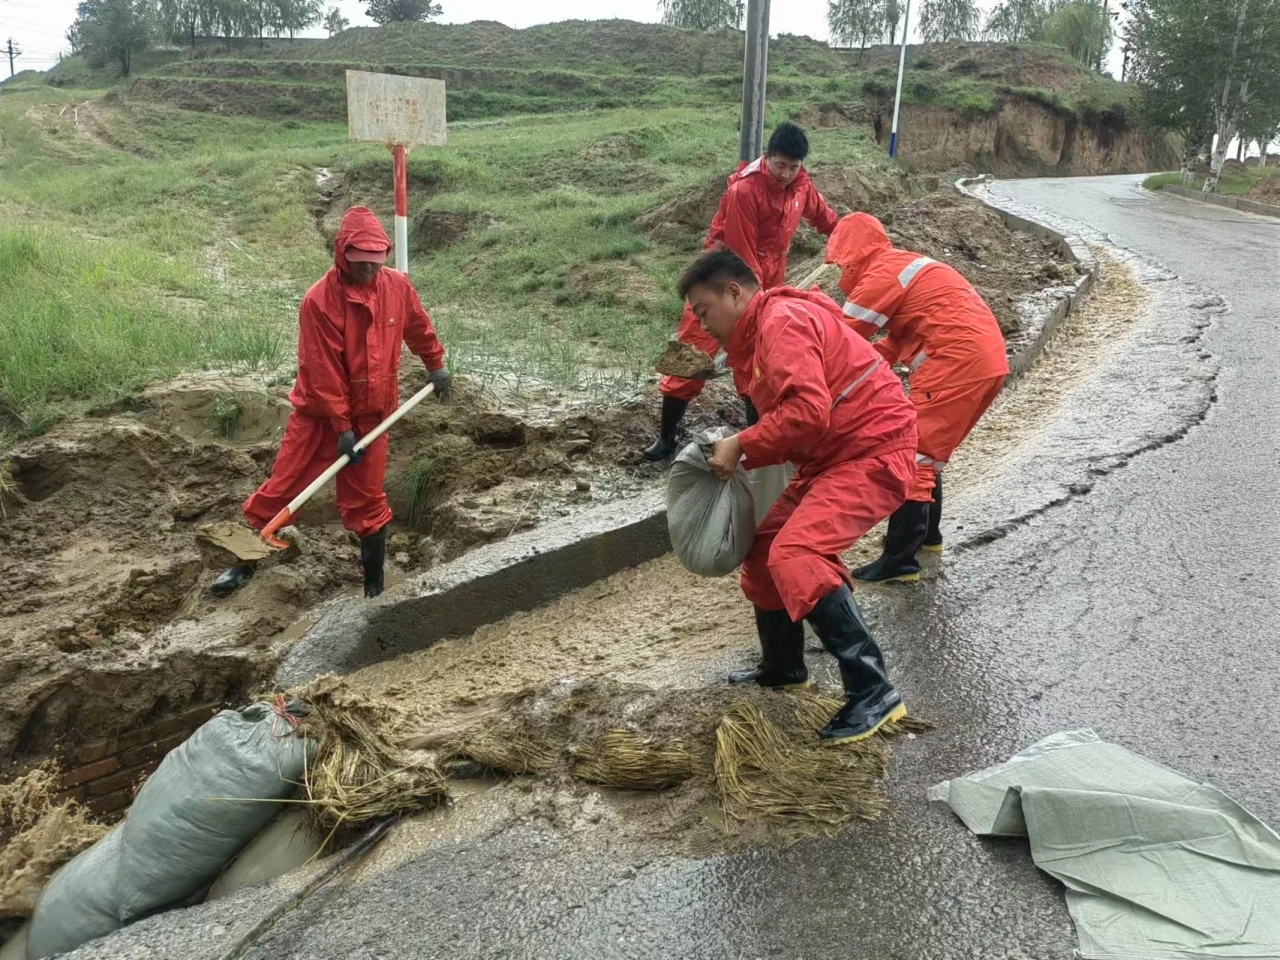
<point x="1121" y="574"/>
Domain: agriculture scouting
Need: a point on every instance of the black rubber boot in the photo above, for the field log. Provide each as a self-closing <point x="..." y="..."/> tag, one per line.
<point x="933" y="538"/>
<point x="870" y="699"/>
<point x="781" y="653"/>
<point x="231" y="579"/>
<point x="672" y="412"/>
<point x="907" y="528"/>
<point x="373" y="557"/>
<point x="749" y="410"/>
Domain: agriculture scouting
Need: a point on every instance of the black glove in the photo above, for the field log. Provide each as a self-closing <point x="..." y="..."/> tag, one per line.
<point x="347" y="446"/>
<point x="441" y="379"/>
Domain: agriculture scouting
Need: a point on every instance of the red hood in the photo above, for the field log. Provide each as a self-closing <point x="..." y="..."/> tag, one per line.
<point x="360" y="228"/>
<point x="757" y="168"/>
<point x="857" y="240"/>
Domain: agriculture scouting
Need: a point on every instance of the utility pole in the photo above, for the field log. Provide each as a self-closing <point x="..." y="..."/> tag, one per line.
<point x="12" y="50"/>
<point x="902" y="68"/>
<point x="755" y="74"/>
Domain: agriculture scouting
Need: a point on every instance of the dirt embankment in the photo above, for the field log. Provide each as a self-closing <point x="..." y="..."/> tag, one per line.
<point x="1266" y="190"/>
<point x="103" y="588"/>
<point x="1003" y="265"/>
<point x="1021" y="137"/>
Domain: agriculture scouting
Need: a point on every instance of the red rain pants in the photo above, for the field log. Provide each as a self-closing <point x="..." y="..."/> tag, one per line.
<point x="308" y="448"/>
<point x="795" y="559"/>
<point x="943" y="419"/>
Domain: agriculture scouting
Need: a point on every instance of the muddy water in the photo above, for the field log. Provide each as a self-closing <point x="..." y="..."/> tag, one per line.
<point x="659" y="624"/>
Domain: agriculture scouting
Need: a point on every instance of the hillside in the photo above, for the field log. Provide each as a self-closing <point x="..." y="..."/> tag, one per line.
<point x="1002" y="108"/>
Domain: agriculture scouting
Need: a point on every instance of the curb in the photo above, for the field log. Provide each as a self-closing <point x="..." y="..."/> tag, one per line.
<point x="536" y="567"/>
<point x="1218" y="200"/>
<point x="1072" y="249"/>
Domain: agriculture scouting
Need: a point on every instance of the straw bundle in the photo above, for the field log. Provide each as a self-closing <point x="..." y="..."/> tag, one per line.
<point x="358" y="775"/>
<point x="632" y="761"/>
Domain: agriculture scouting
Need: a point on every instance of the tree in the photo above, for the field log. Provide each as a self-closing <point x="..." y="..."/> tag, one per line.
<point x="892" y="14"/>
<point x="1206" y="63"/>
<point x="383" y="12"/>
<point x="181" y="20"/>
<point x="294" y="15"/>
<point x="943" y="20"/>
<point x="335" y="22"/>
<point x="114" y="30"/>
<point x="702" y="14"/>
<point x="1261" y="124"/>
<point x="856" y="22"/>
<point x="1016" y="21"/>
<point x="1082" y="28"/>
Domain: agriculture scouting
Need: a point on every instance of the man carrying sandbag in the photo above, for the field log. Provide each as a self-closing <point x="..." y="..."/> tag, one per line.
<point x="759" y="213"/>
<point x="831" y="405"/>
<point x="937" y="325"/>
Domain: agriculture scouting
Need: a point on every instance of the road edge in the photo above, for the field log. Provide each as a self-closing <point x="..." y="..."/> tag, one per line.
<point x="539" y="566"/>
<point x="1242" y="204"/>
<point x="1072" y="248"/>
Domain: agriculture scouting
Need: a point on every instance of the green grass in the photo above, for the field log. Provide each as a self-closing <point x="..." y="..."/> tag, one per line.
<point x="1233" y="182"/>
<point x="188" y="238"/>
<point x="180" y="223"/>
<point x="1158" y="181"/>
<point x="84" y="320"/>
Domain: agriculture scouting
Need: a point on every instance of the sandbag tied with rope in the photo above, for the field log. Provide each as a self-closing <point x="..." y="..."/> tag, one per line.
<point x="711" y="521"/>
<point x="208" y="798"/>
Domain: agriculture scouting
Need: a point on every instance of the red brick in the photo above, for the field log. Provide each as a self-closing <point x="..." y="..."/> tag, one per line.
<point x="96" y="751"/>
<point x="90" y="772"/>
<point x="140" y="755"/>
<point x="168" y="743"/>
<point x="75" y="793"/>
<point x="135" y="738"/>
<point x="111" y="803"/>
<point x="125" y="779"/>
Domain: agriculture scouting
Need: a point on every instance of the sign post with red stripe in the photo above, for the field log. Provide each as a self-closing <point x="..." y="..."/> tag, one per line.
<point x="400" y="112"/>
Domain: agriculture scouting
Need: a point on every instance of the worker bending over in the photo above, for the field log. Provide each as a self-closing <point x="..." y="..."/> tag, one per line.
<point x="758" y="215"/>
<point x="829" y="404"/>
<point x="938" y="326"/>
<point x="351" y="326"/>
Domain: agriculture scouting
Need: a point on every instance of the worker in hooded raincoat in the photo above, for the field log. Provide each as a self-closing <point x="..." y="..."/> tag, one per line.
<point x="758" y="215"/>
<point x="829" y="404"/>
<point x="351" y="327"/>
<point x="938" y="326"/>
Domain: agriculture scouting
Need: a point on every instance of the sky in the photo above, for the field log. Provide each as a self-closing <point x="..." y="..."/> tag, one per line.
<point x="39" y="26"/>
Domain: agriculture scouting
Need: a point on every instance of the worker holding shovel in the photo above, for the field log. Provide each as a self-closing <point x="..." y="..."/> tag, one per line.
<point x="830" y="405"/>
<point x="351" y="327"/>
<point x="758" y="215"/>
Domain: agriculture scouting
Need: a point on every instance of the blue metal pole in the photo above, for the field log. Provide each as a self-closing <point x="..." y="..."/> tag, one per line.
<point x="902" y="69"/>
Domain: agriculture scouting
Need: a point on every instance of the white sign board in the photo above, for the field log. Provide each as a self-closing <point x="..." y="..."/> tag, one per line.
<point x="384" y="108"/>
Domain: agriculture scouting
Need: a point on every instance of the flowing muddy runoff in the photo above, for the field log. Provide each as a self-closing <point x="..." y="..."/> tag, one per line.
<point x="103" y="578"/>
<point x="657" y="627"/>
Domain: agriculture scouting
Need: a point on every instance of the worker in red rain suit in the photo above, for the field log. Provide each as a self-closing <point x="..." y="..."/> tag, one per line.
<point x="938" y="326"/>
<point x="829" y="404"/>
<point x="758" y="215"/>
<point x="351" y="327"/>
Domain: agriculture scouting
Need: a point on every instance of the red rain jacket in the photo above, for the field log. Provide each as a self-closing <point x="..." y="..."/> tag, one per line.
<point x="824" y="395"/>
<point x="350" y="337"/>
<point x="935" y="321"/>
<point x="758" y="216"/>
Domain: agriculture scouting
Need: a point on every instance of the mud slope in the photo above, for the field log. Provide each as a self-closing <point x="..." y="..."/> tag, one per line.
<point x="103" y="588"/>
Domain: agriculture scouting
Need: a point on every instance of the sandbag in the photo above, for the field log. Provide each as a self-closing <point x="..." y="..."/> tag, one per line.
<point x="199" y="809"/>
<point x="711" y="521"/>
